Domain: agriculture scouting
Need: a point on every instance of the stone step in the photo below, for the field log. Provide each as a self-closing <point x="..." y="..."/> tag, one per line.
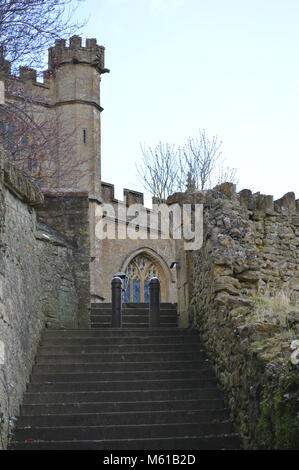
<point x="134" y="311"/>
<point x="133" y="316"/>
<point x="119" y="366"/>
<point x="142" y="305"/>
<point x="120" y="395"/>
<point x="138" y="322"/>
<point x="128" y="375"/>
<point x="108" y="388"/>
<point x="121" y="341"/>
<point x="121" y="407"/>
<point x="118" y="357"/>
<point x="224" y="442"/>
<point x="130" y="325"/>
<point x="130" y="318"/>
<point x="118" y="348"/>
<point x="122" y="431"/>
<point x="118" y="332"/>
<point x="124" y="418"/>
<point x="123" y="385"/>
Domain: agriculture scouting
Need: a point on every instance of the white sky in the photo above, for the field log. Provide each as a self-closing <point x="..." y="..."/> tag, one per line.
<point x="229" y="66"/>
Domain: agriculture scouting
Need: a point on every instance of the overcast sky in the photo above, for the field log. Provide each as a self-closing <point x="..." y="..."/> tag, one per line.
<point x="229" y="66"/>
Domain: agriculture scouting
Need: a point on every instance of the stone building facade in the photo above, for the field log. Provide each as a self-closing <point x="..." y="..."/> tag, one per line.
<point x="70" y="92"/>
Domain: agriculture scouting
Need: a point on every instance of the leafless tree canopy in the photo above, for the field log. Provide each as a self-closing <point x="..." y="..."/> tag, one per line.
<point x="200" y="157"/>
<point x="197" y="165"/>
<point x="37" y="142"/>
<point x="28" y="27"/>
<point x="160" y="170"/>
<point x="30" y="133"/>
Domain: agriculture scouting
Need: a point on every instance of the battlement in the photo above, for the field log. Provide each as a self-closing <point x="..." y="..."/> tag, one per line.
<point x="133" y="197"/>
<point x="26" y="75"/>
<point x="75" y="52"/>
<point x="130" y="196"/>
<point x="286" y="205"/>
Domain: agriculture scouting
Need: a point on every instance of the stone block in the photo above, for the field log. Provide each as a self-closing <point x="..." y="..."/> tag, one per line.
<point x="246" y="199"/>
<point x="227" y="284"/>
<point x="228" y="189"/>
<point x="287" y="204"/>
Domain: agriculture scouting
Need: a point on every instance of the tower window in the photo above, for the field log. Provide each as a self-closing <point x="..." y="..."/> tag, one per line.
<point x="84" y="136"/>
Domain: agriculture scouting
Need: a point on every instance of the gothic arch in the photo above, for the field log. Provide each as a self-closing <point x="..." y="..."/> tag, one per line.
<point x="141" y="264"/>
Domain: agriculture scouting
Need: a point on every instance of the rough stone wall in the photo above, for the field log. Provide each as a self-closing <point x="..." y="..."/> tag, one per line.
<point x="250" y="251"/>
<point x="38" y="286"/>
<point x="21" y="319"/>
<point x="68" y="214"/>
<point x="59" y="294"/>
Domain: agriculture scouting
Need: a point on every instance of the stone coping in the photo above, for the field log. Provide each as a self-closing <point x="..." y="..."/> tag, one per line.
<point x="19" y="183"/>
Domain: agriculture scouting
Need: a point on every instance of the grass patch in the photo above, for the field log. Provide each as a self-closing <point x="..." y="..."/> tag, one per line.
<point x="272" y="308"/>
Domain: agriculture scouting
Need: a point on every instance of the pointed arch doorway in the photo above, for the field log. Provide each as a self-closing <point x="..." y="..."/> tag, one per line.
<point x="139" y="272"/>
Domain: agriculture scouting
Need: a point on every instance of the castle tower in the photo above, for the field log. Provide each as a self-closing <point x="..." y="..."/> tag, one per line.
<point x="74" y="77"/>
<point x="74" y="80"/>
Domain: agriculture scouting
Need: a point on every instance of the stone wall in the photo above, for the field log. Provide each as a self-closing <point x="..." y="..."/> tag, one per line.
<point x="21" y="319"/>
<point x="59" y="295"/>
<point x="68" y="214"/>
<point x="38" y="284"/>
<point x="249" y="257"/>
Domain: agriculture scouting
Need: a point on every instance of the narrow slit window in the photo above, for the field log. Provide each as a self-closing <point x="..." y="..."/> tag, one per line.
<point x="84" y="136"/>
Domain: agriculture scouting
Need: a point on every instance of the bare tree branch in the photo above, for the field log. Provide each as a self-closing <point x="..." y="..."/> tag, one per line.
<point x="160" y="170"/>
<point x="200" y="157"/>
<point x="37" y="140"/>
<point x="28" y="27"/>
<point x="195" y="166"/>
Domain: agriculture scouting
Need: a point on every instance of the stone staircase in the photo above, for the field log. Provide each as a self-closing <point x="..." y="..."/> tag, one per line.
<point x="121" y="389"/>
<point x="134" y="315"/>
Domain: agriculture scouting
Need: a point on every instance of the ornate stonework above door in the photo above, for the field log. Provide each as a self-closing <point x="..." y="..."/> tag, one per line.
<point x="139" y="272"/>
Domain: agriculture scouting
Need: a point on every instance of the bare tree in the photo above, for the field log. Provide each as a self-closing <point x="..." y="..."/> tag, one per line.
<point x="200" y="157"/>
<point x="160" y="170"/>
<point x="28" y="27"/>
<point x="40" y="144"/>
<point x="195" y="166"/>
<point x="28" y="131"/>
<point x="223" y="174"/>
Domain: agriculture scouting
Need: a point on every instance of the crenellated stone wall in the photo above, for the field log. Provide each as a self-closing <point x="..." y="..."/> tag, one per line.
<point x="114" y="254"/>
<point x="66" y="109"/>
<point x="249" y="260"/>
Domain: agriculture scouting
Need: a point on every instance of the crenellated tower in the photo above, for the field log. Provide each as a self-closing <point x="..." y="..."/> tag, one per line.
<point x="74" y="76"/>
<point x="67" y="104"/>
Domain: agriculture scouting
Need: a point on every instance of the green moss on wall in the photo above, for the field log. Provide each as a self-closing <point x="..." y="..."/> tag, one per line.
<point x="279" y="418"/>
